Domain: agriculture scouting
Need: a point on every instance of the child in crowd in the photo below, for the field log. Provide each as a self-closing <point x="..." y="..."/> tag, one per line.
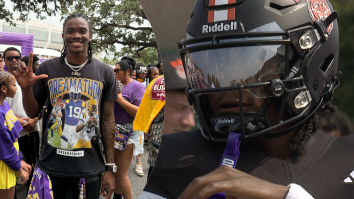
<point x="11" y="164"/>
<point x="152" y="73"/>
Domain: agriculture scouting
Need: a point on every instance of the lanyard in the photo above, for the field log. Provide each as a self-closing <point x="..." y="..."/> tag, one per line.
<point x="229" y="157"/>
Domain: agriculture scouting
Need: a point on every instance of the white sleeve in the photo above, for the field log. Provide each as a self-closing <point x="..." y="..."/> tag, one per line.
<point x="148" y="195"/>
<point x="297" y="192"/>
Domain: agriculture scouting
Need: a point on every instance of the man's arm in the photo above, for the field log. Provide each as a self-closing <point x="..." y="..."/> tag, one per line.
<point x="108" y="130"/>
<point x="26" y="79"/>
<point x="30" y="103"/>
<point x="108" y="136"/>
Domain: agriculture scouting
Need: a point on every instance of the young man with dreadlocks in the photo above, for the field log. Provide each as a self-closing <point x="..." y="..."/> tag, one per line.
<point x="76" y="78"/>
<point x="261" y="73"/>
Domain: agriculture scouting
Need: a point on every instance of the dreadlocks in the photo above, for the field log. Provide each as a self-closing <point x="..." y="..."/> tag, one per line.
<point x="89" y="49"/>
<point x="299" y="140"/>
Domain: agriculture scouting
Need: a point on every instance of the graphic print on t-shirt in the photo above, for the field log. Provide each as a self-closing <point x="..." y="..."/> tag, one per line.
<point x="74" y="118"/>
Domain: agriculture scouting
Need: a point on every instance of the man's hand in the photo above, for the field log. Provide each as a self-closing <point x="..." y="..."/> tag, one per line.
<point x="24" y="75"/>
<point x="235" y="184"/>
<point x="30" y="123"/>
<point x="108" y="184"/>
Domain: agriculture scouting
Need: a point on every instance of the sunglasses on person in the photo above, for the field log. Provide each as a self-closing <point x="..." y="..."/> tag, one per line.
<point x="116" y="70"/>
<point x="10" y="58"/>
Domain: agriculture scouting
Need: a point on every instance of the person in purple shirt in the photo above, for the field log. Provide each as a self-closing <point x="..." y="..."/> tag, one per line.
<point x="125" y="109"/>
<point x="11" y="164"/>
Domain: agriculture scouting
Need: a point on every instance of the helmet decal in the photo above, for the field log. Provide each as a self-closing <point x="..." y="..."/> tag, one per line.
<point x="221" y="15"/>
<point x="178" y="65"/>
<point x="319" y="10"/>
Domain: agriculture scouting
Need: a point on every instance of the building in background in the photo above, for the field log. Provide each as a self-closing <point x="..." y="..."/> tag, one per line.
<point x="48" y="41"/>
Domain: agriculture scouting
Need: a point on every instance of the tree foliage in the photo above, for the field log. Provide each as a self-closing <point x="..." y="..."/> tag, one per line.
<point x="147" y="56"/>
<point x="41" y="8"/>
<point x="116" y="22"/>
<point x="344" y="94"/>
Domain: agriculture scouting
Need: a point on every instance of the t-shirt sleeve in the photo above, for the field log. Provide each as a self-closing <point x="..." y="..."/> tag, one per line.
<point x="8" y="151"/>
<point x="110" y="91"/>
<point x="138" y="95"/>
<point x="39" y="91"/>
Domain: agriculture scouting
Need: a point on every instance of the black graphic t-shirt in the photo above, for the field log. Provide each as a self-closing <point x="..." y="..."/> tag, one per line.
<point x="324" y="171"/>
<point x="71" y="138"/>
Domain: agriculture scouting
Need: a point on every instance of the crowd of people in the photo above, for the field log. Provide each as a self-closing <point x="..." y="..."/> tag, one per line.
<point x="97" y="119"/>
<point x="88" y="137"/>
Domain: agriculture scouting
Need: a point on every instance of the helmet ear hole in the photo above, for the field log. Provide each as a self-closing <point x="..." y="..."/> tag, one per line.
<point x="327" y="63"/>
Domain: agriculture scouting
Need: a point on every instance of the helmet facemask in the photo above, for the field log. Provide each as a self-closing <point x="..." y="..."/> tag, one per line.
<point x="75" y="93"/>
<point x="261" y="63"/>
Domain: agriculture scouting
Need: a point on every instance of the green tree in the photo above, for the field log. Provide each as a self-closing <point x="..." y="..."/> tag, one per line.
<point x="147" y="56"/>
<point x="116" y="22"/>
<point x="344" y="94"/>
<point x="41" y="8"/>
<point x="109" y="61"/>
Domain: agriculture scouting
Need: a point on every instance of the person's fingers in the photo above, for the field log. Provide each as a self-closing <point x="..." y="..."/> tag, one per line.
<point x="30" y="62"/>
<point x="26" y="169"/>
<point x="16" y="74"/>
<point x="40" y="77"/>
<point x="21" y="68"/>
<point x="217" y="187"/>
<point x="103" y="187"/>
<point x="110" y="193"/>
<point x="220" y="174"/>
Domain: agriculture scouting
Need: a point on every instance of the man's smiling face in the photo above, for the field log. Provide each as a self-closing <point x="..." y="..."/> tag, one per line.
<point x="76" y="35"/>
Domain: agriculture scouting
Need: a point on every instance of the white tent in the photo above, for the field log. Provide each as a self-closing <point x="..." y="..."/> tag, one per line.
<point x="37" y="51"/>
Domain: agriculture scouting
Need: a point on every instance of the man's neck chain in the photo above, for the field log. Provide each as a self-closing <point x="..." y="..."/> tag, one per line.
<point x="75" y="68"/>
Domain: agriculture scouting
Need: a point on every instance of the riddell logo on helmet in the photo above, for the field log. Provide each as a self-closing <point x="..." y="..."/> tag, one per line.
<point x="226" y="121"/>
<point x="220" y="28"/>
<point x="294" y="70"/>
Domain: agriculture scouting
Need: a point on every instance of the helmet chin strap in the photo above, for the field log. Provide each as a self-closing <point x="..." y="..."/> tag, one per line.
<point x="229" y="157"/>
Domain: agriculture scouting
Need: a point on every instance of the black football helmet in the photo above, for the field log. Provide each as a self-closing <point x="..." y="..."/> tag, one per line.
<point x="284" y="52"/>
